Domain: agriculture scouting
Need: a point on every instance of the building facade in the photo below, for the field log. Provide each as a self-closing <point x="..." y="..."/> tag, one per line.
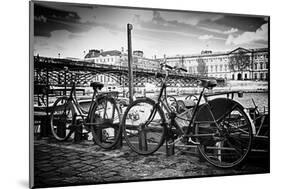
<point x="119" y="58"/>
<point x="239" y="64"/>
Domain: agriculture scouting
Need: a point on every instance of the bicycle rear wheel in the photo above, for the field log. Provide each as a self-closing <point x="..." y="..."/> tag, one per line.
<point x="105" y="122"/>
<point x="228" y="143"/>
<point x="143" y="126"/>
<point x="61" y="118"/>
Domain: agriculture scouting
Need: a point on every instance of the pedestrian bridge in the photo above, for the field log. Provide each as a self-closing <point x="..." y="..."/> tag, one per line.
<point x="61" y="72"/>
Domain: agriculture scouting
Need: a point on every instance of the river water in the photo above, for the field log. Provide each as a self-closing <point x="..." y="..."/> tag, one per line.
<point x="260" y="99"/>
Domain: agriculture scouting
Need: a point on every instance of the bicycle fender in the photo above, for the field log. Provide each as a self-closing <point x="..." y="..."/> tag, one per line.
<point x="219" y="107"/>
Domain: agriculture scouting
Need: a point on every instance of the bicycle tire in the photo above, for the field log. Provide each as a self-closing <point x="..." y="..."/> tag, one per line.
<point x="141" y="136"/>
<point x="231" y="145"/>
<point x="106" y="130"/>
<point x="191" y="97"/>
<point x="61" y="119"/>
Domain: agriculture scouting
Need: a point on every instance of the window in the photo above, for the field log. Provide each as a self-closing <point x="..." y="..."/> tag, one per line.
<point x="211" y="68"/>
<point x="216" y="68"/>
<point x="261" y="76"/>
<point x="255" y="76"/>
<point x="225" y="67"/>
<point x="256" y="66"/>
<point x="221" y="68"/>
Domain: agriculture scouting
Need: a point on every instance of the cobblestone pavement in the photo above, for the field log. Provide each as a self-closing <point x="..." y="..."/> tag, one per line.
<point x="68" y="163"/>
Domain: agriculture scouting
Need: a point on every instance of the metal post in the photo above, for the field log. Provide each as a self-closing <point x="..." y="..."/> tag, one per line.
<point x="65" y="74"/>
<point x="130" y="59"/>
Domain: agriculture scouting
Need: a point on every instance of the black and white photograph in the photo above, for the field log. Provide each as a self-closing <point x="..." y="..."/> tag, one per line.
<point x="124" y="94"/>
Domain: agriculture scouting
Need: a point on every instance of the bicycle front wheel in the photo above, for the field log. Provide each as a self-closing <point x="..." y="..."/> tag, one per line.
<point x="105" y="122"/>
<point x="143" y="126"/>
<point x="62" y="118"/>
<point x="227" y="143"/>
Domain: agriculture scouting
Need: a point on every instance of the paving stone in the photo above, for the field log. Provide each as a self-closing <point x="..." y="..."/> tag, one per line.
<point x="90" y="162"/>
<point x="74" y="161"/>
<point x="115" y="178"/>
<point x="49" y="175"/>
<point x="77" y="165"/>
<point x="47" y="169"/>
<point x="68" y="163"/>
<point x="107" y="162"/>
<point x="67" y="171"/>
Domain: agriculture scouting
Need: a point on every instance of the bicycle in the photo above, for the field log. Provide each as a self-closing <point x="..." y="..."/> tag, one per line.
<point x="220" y="128"/>
<point x="102" y="119"/>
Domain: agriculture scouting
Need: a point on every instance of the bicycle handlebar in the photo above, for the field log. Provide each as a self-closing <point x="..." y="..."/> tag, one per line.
<point x="158" y="74"/>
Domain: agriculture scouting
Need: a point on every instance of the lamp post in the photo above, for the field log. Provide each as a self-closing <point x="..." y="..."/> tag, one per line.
<point x="130" y="59"/>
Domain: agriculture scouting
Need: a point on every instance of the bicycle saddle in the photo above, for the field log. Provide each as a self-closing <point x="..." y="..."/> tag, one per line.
<point x="97" y="85"/>
<point x="208" y="83"/>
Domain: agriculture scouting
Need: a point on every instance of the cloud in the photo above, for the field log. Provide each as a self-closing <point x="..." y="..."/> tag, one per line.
<point x="241" y="22"/>
<point x="48" y="19"/>
<point x="260" y="34"/>
<point x="205" y="37"/>
<point x="70" y="44"/>
<point x="232" y="30"/>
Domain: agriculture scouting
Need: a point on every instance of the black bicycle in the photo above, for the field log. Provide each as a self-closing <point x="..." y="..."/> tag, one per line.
<point x="102" y="119"/>
<point x="220" y="128"/>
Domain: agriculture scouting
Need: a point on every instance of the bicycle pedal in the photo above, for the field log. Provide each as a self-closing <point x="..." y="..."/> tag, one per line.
<point x="190" y="141"/>
<point x="72" y="127"/>
<point x="175" y="141"/>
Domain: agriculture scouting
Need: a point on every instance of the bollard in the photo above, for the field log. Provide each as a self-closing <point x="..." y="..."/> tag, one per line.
<point x="98" y="133"/>
<point x="45" y="127"/>
<point x="170" y="147"/>
<point x="61" y="129"/>
<point x="142" y="141"/>
<point x="78" y="133"/>
<point x="120" y="140"/>
<point x="78" y="128"/>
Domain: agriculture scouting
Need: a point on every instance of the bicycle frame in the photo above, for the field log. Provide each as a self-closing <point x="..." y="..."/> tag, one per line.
<point x="162" y="101"/>
<point x="77" y="107"/>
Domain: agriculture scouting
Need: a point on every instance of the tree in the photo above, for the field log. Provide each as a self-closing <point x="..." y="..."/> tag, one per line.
<point x="202" y="69"/>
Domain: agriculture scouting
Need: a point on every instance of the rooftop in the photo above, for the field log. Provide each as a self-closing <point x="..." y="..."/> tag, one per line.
<point x="97" y="53"/>
<point x="218" y="53"/>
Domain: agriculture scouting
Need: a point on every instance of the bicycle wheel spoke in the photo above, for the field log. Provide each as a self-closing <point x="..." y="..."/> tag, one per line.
<point x="237" y="149"/>
<point x="105" y="123"/>
<point x="143" y="129"/>
<point x="235" y="133"/>
<point x="61" y="119"/>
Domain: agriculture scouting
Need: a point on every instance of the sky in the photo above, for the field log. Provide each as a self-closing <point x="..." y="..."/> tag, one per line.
<point x="71" y="30"/>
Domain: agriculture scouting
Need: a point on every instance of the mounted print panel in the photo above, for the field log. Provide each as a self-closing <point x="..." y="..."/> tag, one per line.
<point x="123" y="94"/>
